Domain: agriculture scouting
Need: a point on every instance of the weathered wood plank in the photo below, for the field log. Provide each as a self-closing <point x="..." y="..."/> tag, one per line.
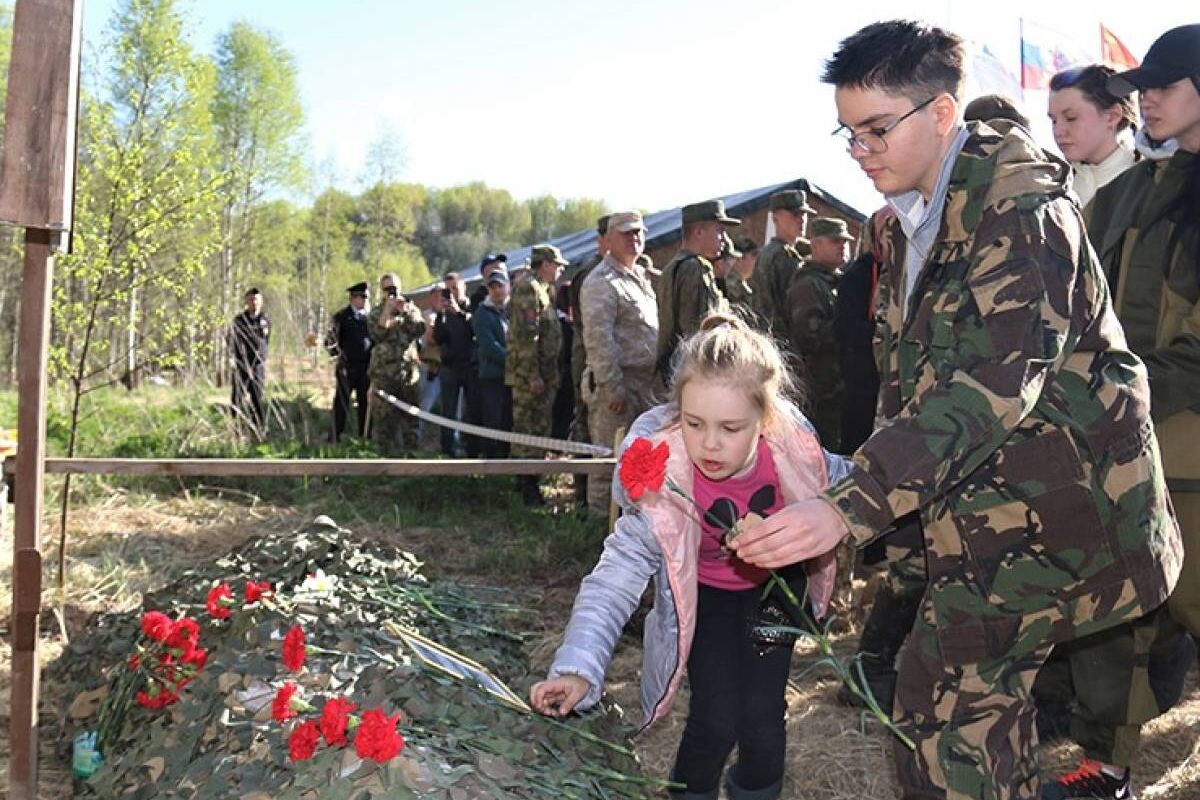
<point x="37" y="171"/>
<point x="267" y="467"/>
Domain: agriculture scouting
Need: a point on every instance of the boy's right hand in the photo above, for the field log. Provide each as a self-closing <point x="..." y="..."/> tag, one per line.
<point x="557" y="697"/>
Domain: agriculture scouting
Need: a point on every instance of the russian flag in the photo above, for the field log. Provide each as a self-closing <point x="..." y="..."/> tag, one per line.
<point x="1045" y="52"/>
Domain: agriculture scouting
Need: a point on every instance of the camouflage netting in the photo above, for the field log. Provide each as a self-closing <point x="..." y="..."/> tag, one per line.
<point x="219" y="740"/>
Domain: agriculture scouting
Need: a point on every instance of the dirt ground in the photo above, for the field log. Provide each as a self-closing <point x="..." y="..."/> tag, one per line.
<point x="122" y="548"/>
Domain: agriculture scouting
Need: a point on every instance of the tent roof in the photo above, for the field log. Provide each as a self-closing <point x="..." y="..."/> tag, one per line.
<point x="665" y="227"/>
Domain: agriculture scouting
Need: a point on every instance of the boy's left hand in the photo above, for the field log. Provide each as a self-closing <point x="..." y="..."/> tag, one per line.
<point x="798" y="532"/>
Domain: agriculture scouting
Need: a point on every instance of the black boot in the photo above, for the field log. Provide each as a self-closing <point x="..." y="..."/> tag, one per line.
<point x="736" y="792"/>
<point x="886" y="628"/>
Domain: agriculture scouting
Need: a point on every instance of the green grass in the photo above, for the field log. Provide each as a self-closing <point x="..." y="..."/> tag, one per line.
<point x="502" y="537"/>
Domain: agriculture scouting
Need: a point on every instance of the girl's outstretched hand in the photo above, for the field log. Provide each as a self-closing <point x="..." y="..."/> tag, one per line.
<point x="798" y="532"/>
<point x="557" y="697"/>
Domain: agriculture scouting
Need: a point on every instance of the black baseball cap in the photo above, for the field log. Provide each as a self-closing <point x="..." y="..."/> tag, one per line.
<point x="1174" y="56"/>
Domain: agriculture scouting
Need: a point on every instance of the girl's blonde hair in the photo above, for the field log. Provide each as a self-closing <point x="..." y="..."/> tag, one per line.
<point x="727" y="350"/>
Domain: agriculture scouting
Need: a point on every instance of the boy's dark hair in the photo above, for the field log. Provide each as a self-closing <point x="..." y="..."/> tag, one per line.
<point x="1092" y="83"/>
<point x="902" y="57"/>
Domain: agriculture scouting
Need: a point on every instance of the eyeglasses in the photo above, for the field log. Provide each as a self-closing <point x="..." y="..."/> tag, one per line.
<point x="872" y="140"/>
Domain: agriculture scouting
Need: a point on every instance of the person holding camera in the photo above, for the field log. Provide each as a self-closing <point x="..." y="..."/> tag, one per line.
<point x="396" y="325"/>
<point x="459" y="374"/>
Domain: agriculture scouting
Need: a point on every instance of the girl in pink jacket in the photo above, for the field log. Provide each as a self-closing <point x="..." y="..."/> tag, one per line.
<point x="737" y="446"/>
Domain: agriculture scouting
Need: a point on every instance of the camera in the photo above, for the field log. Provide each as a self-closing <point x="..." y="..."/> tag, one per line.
<point x="391" y="291"/>
<point x="446" y="293"/>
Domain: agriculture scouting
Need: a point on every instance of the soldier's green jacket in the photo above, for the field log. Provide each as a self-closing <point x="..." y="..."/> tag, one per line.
<point x="740" y="295"/>
<point x="687" y="293"/>
<point x="534" y="335"/>
<point x="811" y="299"/>
<point x="776" y="267"/>
<point x="1015" y="418"/>
<point x="1156" y="291"/>
<point x="395" y="359"/>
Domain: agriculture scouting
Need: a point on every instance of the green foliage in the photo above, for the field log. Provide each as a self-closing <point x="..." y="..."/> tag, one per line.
<point x="146" y="207"/>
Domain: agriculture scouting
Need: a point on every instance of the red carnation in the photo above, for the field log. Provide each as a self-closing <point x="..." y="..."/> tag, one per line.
<point x="281" y="706"/>
<point x="219" y="598"/>
<point x="293" y="649"/>
<point x="377" y="738"/>
<point x="184" y="635"/>
<point x="156" y="698"/>
<point x="198" y="657"/>
<point x="303" y="741"/>
<point x="334" y="718"/>
<point x="257" y="591"/>
<point x="643" y="467"/>
<point x="156" y="626"/>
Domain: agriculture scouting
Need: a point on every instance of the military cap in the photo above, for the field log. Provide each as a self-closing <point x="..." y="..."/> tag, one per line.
<point x="708" y="211"/>
<point x="829" y="226"/>
<point x="791" y="200"/>
<point x="492" y="257"/>
<point x="546" y="252"/>
<point x="994" y="106"/>
<point x="499" y="276"/>
<point x="626" y="221"/>
<point x="360" y="288"/>
<point x="745" y="243"/>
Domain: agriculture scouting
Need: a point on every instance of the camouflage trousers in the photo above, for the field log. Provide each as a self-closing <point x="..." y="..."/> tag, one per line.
<point x="394" y="430"/>
<point x="532" y="415"/>
<point x="1185" y="600"/>
<point x="973" y="724"/>
<point x="604" y="425"/>
<point x="1123" y="677"/>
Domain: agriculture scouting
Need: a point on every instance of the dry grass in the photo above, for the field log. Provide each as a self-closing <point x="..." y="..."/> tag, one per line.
<point x="124" y="545"/>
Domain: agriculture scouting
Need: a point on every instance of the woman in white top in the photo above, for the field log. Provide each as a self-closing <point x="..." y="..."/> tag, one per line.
<point x="1092" y="127"/>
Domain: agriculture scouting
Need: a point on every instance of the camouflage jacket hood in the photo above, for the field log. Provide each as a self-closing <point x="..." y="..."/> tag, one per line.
<point x="1002" y="166"/>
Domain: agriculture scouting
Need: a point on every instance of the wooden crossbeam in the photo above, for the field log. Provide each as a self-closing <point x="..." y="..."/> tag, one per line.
<point x="269" y="467"/>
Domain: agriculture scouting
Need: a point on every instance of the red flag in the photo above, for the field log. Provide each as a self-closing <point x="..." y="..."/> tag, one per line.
<point x="1114" y="52"/>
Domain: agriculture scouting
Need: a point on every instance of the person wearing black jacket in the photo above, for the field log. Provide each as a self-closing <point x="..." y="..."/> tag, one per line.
<point x="854" y="331"/>
<point x="459" y="370"/>
<point x="350" y="343"/>
<point x="250" y="333"/>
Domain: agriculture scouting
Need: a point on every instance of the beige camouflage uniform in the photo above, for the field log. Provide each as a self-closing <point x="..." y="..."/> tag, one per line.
<point x="620" y="322"/>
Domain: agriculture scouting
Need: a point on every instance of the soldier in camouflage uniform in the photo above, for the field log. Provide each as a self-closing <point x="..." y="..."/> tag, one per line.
<point x="737" y="288"/>
<point x="779" y="262"/>
<point x="811" y="299"/>
<point x="534" y="342"/>
<point x="580" y="430"/>
<point x="396" y="325"/>
<point x="1012" y="415"/>
<point x="621" y="324"/>
<point x="687" y="288"/>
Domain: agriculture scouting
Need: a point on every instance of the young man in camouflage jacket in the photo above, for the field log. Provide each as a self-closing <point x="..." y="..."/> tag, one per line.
<point x="1013" y="417"/>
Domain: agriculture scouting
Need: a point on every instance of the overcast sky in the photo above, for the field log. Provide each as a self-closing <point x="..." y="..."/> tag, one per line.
<point x="659" y="104"/>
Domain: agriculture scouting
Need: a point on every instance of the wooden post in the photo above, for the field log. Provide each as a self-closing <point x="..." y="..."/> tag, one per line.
<point x="37" y="177"/>
<point x="27" y="523"/>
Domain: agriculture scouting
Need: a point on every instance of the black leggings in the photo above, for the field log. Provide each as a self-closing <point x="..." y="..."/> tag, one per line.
<point x="737" y="697"/>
